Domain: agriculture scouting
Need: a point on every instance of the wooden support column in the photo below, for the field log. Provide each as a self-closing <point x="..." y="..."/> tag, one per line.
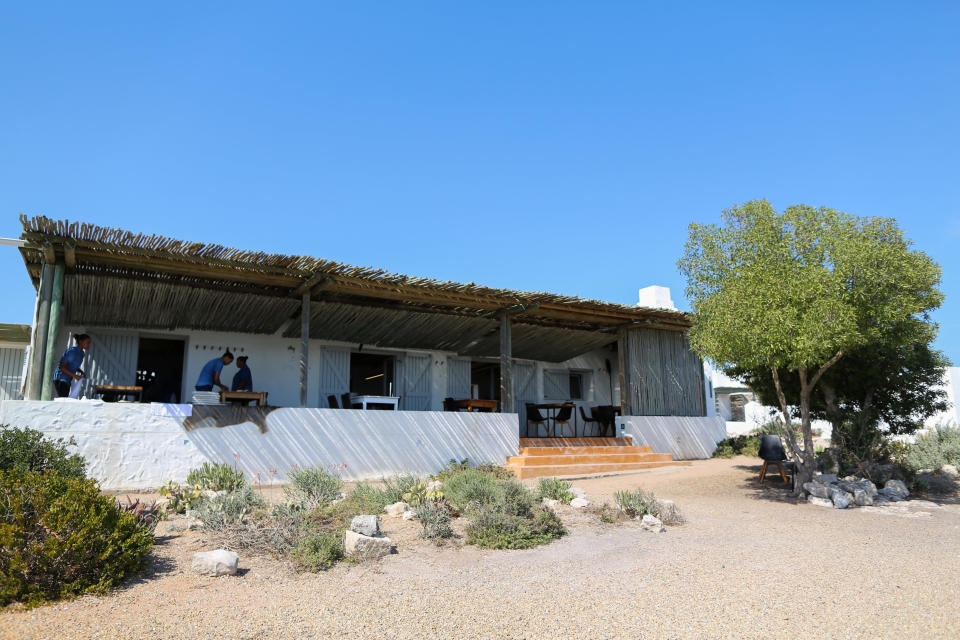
<point x="38" y="345"/>
<point x="626" y="373"/>
<point x="507" y="404"/>
<point x="304" y="347"/>
<point x="50" y="360"/>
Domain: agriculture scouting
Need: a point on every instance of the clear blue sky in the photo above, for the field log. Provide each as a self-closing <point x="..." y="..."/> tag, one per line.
<point x="540" y="145"/>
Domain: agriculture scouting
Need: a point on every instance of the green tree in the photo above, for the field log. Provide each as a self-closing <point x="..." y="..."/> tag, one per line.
<point x="797" y="291"/>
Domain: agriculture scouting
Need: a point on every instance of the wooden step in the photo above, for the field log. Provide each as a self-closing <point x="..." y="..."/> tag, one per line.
<point x="587" y="469"/>
<point x="548" y="460"/>
<point x="576" y="442"/>
<point x="574" y="451"/>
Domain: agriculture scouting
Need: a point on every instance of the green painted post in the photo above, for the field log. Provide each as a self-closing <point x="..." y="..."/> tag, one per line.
<point x="38" y="347"/>
<point x="50" y="362"/>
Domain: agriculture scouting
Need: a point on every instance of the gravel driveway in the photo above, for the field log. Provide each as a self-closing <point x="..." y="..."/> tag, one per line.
<point x="749" y="563"/>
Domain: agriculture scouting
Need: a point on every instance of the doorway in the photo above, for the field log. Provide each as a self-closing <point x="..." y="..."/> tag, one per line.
<point x="160" y="369"/>
<point x="485" y="380"/>
<point x="371" y="374"/>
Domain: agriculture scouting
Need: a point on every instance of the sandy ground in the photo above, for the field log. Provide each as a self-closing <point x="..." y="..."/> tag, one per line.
<point x="749" y="563"/>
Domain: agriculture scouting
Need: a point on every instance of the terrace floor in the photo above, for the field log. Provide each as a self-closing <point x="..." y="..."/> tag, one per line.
<point x="749" y="563"/>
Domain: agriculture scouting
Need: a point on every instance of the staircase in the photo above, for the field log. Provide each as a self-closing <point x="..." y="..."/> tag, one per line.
<point x="582" y="456"/>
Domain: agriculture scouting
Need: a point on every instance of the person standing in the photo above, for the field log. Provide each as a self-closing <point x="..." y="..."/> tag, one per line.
<point x="210" y="374"/>
<point x="242" y="379"/>
<point x="69" y="369"/>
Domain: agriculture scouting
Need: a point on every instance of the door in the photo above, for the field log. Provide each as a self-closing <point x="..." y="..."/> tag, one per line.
<point x="458" y="378"/>
<point x="417" y="378"/>
<point x="524" y="386"/>
<point x="333" y="372"/>
<point x="111" y="359"/>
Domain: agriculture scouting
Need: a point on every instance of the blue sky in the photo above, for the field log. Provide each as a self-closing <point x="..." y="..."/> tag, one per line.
<point x="548" y="146"/>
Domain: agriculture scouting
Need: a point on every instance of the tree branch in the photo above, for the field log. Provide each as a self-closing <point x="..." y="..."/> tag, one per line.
<point x="832" y="361"/>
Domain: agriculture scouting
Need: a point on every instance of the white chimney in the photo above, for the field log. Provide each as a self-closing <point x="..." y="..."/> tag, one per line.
<point x="656" y="297"/>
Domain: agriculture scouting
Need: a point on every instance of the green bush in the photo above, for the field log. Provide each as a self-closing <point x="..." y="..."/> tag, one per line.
<point x="639" y="503"/>
<point x="491" y="527"/>
<point x="179" y="499"/>
<point x="369" y="498"/>
<point x="230" y="508"/>
<point x="313" y="487"/>
<point x="396" y="486"/>
<point x="435" y="519"/>
<point x="59" y="537"/>
<point x="29" y="450"/>
<point x="932" y="449"/>
<point x="554" y="489"/>
<point x="319" y="551"/>
<point x="216" y="477"/>
<point x="744" y="445"/>
<point x="471" y="488"/>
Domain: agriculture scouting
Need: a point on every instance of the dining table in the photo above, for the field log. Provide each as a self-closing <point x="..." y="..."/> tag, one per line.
<point x="391" y="403"/>
<point x="475" y="404"/>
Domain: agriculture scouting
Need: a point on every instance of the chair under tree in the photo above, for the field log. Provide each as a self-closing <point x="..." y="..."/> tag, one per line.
<point x="772" y="453"/>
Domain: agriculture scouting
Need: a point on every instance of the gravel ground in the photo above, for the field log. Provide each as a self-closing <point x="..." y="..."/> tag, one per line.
<point x="749" y="563"/>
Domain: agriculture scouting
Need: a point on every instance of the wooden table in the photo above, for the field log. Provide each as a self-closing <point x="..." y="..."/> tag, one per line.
<point x="260" y="397"/>
<point x="118" y="390"/>
<point x="474" y="404"/>
<point x="365" y="401"/>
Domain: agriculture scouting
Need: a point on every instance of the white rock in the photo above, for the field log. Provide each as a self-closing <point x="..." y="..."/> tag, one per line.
<point x="652" y="523"/>
<point x="366" y="547"/>
<point x="668" y="510"/>
<point x="215" y="563"/>
<point x="949" y="471"/>
<point x="897" y="488"/>
<point x="366" y="525"/>
<point x="841" y="499"/>
<point x="579" y="503"/>
<point x="434" y="485"/>
<point x="820" y="502"/>
<point x="817" y="489"/>
<point x="862" y="498"/>
<point x="825" y="478"/>
<point x="396" y="509"/>
<point x="410" y="515"/>
<point x="578" y="492"/>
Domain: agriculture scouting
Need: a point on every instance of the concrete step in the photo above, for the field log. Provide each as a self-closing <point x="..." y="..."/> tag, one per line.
<point x="556" y="451"/>
<point x="576" y="442"/>
<point x="587" y="458"/>
<point x="587" y="469"/>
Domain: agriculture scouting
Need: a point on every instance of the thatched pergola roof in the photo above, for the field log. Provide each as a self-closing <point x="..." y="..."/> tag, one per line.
<point x="116" y="278"/>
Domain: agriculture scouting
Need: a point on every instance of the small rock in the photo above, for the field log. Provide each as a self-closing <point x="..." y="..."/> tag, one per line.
<point x="841" y="499"/>
<point x="434" y="485"/>
<point x="668" y="510"/>
<point x="578" y="492"/>
<point x="396" y="509"/>
<point x="366" y="525"/>
<point x="949" y="471"/>
<point x="579" y="503"/>
<point x="820" y="502"/>
<point x="550" y="503"/>
<point x="366" y="547"/>
<point x="817" y="489"/>
<point x="862" y="498"/>
<point x="897" y="487"/>
<point x="890" y="495"/>
<point x="215" y="563"/>
<point x="652" y="523"/>
<point x="410" y="515"/>
<point x="825" y="478"/>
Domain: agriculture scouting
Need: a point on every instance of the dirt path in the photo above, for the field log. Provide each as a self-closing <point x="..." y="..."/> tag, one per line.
<point x="748" y="563"/>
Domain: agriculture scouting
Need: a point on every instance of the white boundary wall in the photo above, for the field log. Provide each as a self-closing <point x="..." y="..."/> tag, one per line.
<point x="128" y="447"/>
<point x="685" y="438"/>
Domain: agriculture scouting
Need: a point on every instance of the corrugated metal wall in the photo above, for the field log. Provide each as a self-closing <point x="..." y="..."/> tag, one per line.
<point x="664" y="377"/>
<point x="686" y="438"/>
<point x="11" y="368"/>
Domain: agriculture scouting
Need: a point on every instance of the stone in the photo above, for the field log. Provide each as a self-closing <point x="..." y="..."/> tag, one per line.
<point x="825" y="478"/>
<point x="890" y="495"/>
<point x="578" y="492"/>
<point x="897" y="487"/>
<point x="668" y="510"/>
<point x="817" y="489"/>
<point x="820" y="502"/>
<point x="841" y="499"/>
<point x="396" y="509"/>
<point x="652" y="523"/>
<point x="366" y="525"/>
<point x="579" y="503"/>
<point x="550" y="503"/>
<point x="215" y="563"/>
<point x="862" y="498"/>
<point x="410" y="515"/>
<point x="366" y="547"/>
<point x="434" y="485"/>
<point x="949" y="471"/>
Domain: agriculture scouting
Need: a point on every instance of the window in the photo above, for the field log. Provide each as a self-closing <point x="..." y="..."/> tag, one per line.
<point x="576" y="385"/>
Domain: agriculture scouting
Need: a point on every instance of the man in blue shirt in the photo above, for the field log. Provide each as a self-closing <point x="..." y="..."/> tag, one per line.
<point x="242" y="379"/>
<point x="210" y="374"/>
<point x="69" y="369"/>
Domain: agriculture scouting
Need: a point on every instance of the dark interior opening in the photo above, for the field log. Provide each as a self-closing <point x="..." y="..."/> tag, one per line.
<point x="160" y="369"/>
<point x="485" y="376"/>
<point x="371" y="374"/>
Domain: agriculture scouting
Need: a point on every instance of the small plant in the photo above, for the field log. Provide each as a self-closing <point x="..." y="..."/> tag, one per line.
<point x="216" y="477"/>
<point x="230" y="508"/>
<point x="493" y="528"/>
<point x="500" y="473"/>
<point x="181" y="498"/>
<point x="397" y="485"/>
<point x="471" y="488"/>
<point x="319" y="551"/>
<point x="419" y="494"/>
<point x="435" y="519"/>
<point x="29" y="450"/>
<point x="451" y="469"/>
<point x="932" y="449"/>
<point x="61" y="538"/>
<point x="313" y="487"/>
<point x="638" y="503"/>
<point x="554" y="489"/>
<point x="147" y="515"/>
<point x="609" y="515"/>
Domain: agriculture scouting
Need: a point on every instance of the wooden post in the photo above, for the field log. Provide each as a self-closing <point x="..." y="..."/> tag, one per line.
<point x="623" y="361"/>
<point x="38" y="348"/>
<point x="506" y="365"/>
<point x="304" y="347"/>
<point x="50" y="361"/>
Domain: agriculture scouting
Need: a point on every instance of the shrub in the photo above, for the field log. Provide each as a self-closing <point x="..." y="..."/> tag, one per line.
<point x="452" y="468"/>
<point x="554" y="489"/>
<point x="147" y="515"/>
<point x="230" y="508"/>
<point x="471" y="488"/>
<point x="639" y="503"/>
<point x="319" y="551"/>
<point x="313" y="487"/>
<point x="216" y="477"/>
<point x="397" y="485"/>
<point x="435" y="519"/>
<point x="500" y="473"/>
<point x="744" y="445"/>
<point x="491" y="527"/>
<point x="933" y="449"/>
<point x="29" y="450"/>
<point x="59" y="537"/>
<point x="179" y="499"/>
<point x="368" y="498"/>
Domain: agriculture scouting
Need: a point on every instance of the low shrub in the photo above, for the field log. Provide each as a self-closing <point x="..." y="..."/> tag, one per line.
<point x="179" y="498"/>
<point x="500" y="473"/>
<point x="932" y="449"/>
<point x="435" y="520"/>
<point x="491" y="527"/>
<point x="59" y="537"/>
<point x="229" y="508"/>
<point x="471" y="488"/>
<point x="451" y="469"/>
<point x="147" y="515"/>
<point x="396" y="486"/>
<point x="319" y="551"/>
<point x="216" y="477"/>
<point x="369" y="498"/>
<point x="29" y="450"/>
<point x="554" y="489"/>
<point x="639" y="503"/>
<point x="313" y="487"/>
<point x="744" y="445"/>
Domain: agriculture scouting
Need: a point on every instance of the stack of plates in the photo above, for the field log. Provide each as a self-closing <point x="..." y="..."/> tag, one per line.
<point x="206" y="397"/>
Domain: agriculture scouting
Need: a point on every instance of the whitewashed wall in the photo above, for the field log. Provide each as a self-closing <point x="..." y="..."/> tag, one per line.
<point x="128" y="447"/>
<point x="686" y="438"/>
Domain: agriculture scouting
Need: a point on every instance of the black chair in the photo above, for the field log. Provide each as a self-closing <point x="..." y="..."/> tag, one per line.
<point x="586" y="420"/>
<point x="346" y="401"/>
<point x="332" y="402"/>
<point x="448" y="404"/>
<point x="772" y="453"/>
<point x="563" y="418"/>
<point x="536" y="418"/>
<point x="607" y="417"/>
